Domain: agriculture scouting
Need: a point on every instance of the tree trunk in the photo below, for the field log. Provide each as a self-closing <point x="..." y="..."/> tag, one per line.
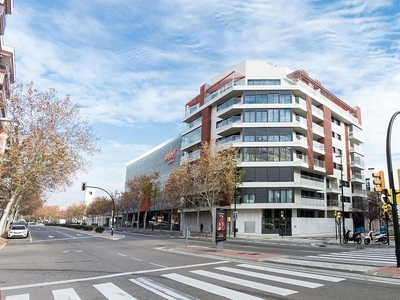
<point x="4" y="219"/>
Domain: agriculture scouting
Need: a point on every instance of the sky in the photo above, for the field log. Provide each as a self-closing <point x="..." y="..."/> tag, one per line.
<point x="132" y="65"/>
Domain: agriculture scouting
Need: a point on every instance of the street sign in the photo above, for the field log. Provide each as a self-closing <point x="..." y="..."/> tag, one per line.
<point x="235" y="215"/>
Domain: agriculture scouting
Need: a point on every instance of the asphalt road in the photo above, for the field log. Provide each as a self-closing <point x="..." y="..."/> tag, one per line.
<point x="59" y="263"/>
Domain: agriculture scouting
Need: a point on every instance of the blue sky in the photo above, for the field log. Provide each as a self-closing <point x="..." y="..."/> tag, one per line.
<point x="132" y="65"/>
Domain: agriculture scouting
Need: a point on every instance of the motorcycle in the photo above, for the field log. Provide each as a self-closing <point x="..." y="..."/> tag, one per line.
<point x="355" y="237"/>
<point x="379" y="238"/>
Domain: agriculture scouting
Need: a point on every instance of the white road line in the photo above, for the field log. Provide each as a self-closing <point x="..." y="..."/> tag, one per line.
<point x="9" y="288"/>
<point x="211" y="288"/>
<point x="121" y="254"/>
<point x="136" y="258"/>
<point x="65" y="294"/>
<point x="18" y="297"/>
<point x="293" y="273"/>
<point x="160" y="289"/>
<point x="302" y="283"/>
<point x="157" y="265"/>
<point x="112" y="292"/>
<point x="332" y="257"/>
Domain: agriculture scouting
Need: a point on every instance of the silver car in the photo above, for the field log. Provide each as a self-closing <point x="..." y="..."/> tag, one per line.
<point x="18" y="231"/>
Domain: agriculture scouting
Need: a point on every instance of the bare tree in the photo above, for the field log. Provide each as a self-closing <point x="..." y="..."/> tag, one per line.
<point x="47" y="140"/>
<point x="368" y="208"/>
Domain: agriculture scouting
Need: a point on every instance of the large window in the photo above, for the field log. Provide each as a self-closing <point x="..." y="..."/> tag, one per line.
<point x="267" y="97"/>
<point x="280" y="196"/>
<point x="268" y="134"/>
<point x="268" y="115"/>
<point x="267" y="154"/>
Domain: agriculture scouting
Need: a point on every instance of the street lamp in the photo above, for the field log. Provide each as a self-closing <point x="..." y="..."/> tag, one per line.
<point x="342" y="196"/>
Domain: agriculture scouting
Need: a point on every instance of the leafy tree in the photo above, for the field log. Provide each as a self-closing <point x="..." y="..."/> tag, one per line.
<point x="139" y="190"/>
<point x="76" y="211"/>
<point x="99" y="206"/>
<point x="208" y="180"/>
<point x="47" y="141"/>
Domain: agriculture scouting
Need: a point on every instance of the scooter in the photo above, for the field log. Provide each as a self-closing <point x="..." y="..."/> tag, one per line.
<point x="368" y="238"/>
<point x="355" y="237"/>
<point x="379" y="238"/>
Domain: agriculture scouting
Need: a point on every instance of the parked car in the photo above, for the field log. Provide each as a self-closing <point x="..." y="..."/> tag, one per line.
<point x="18" y="231"/>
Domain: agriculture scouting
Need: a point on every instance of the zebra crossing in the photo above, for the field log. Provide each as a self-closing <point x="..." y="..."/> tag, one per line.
<point x="267" y="281"/>
<point x="369" y="257"/>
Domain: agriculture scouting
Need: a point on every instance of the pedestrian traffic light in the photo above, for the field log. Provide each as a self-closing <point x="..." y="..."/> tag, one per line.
<point x="83" y="186"/>
<point x="379" y="181"/>
<point x="282" y="213"/>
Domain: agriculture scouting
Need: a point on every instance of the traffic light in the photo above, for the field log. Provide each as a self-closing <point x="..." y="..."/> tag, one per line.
<point x="334" y="213"/>
<point x="385" y="207"/>
<point x="83" y="186"/>
<point x="379" y="181"/>
<point x="338" y="215"/>
<point x="282" y="213"/>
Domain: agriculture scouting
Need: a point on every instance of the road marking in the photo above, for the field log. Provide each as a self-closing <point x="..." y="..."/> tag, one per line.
<point x="303" y="283"/>
<point x="211" y="288"/>
<point x="65" y="294"/>
<point x="247" y="283"/>
<point x="9" y="288"/>
<point x="136" y="259"/>
<point x="161" y="290"/>
<point x="18" y="297"/>
<point x="294" y="273"/>
<point x="121" y="254"/>
<point x="72" y="251"/>
<point x="157" y="265"/>
<point x="111" y="291"/>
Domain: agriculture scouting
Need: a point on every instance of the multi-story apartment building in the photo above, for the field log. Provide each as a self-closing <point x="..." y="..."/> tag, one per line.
<point x="7" y="70"/>
<point x="298" y="142"/>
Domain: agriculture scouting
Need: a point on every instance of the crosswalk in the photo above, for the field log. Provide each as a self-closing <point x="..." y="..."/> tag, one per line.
<point x="251" y="282"/>
<point x="367" y="257"/>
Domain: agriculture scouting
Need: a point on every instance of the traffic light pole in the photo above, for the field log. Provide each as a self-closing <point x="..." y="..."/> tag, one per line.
<point x="391" y="184"/>
<point x="84" y="186"/>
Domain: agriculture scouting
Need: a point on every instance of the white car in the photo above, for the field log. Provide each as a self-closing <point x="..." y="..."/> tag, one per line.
<point x="18" y="231"/>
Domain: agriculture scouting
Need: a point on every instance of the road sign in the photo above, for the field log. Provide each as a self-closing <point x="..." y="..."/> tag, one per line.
<point x="235" y="215"/>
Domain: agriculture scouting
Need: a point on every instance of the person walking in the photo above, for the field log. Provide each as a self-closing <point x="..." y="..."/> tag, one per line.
<point x="201" y="227"/>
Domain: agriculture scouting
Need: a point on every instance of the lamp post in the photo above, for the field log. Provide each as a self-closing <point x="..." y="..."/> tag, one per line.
<point x="342" y="196"/>
<point x="392" y="187"/>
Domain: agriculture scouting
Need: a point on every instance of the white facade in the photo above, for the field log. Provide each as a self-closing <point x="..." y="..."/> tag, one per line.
<point x="296" y="141"/>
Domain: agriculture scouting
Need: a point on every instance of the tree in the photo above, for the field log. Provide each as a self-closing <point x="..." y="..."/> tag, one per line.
<point x="76" y="211"/>
<point x="99" y="206"/>
<point x="47" y="141"/>
<point x="209" y="179"/>
<point x="368" y="208"/>
<point x="139" y="190"/>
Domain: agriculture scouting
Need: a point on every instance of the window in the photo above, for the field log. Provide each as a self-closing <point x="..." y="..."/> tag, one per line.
<point x="251" y="198"/>
<point x="280" y="196"/>
<point x="264" y="82"/>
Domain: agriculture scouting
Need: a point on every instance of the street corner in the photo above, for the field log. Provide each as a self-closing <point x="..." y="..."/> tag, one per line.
<point x="388" y="272"/>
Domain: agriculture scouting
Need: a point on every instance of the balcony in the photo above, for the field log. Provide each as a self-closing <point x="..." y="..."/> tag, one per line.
<point x="190" y="156"/>
<point x="358" y="193"/>
<point x="226" y="127"/>
<point x="318" y="147"/>
<point x="229" y="140"/>
<point x="333" y="188"/>
<point x="357" y="177"/>
<point x="355" y="134"/>
<point x="311" y="183"/>
<point x="312" y="201"/>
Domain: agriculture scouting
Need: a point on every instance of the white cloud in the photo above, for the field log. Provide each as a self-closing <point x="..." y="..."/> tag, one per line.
<point x="133" y="66"/>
